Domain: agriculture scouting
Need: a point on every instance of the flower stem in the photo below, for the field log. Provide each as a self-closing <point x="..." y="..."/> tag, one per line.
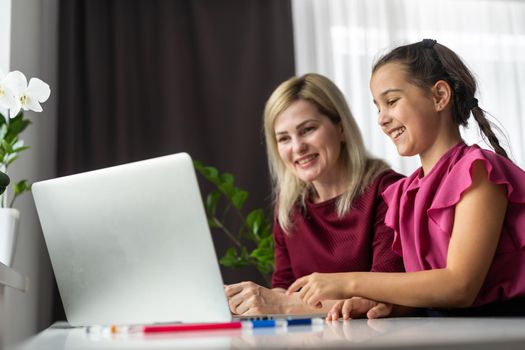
<point x="3" y="166"/>
<point x="227" y="232"/>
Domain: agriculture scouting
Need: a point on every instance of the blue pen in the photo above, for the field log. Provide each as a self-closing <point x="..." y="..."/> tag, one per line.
<point x="300" y="322"/>
<point x="305" y="321"/>
<point x="284" y="323"/>
<point x="266" y="323"/>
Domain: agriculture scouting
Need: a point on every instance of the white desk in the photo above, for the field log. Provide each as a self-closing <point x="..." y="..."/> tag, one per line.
<point x="396" y="333"/>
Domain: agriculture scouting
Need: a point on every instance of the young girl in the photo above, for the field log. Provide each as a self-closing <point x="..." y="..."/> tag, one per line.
<point x="459" y="220"/>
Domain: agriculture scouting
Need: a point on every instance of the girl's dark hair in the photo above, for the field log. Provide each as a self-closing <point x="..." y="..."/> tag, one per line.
<point x="425" y="63"/>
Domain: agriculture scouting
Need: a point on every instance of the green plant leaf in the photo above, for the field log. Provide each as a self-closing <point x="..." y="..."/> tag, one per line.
<point x="264" y="255"/>
<point x="16" y="125"/>
<point x="17" y="143"/>
<point x="9" y="159"/>
<point x="7" y="146"/>
<point x="227" y="189"/>
<point x="211" y="202"/>
<point x="227" y="178"/>
<point x="254" y="221"/>
<point x="210" y="173"/>
<point x="239" y="197"/>
<point x="4" y="181"/>
<point x="18" y="150"/>
<point x="21" y="187"/>
<point x="3" y="130"/>
<point x="197" y="164"/>
<point x="232" y="259"/>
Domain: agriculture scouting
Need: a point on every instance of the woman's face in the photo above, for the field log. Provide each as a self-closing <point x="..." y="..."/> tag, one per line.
<point x="309" y="143"/>
<point x="406" y="112"/>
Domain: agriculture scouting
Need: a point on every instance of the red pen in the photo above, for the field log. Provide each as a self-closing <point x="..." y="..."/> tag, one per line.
<point x="164" y="328"/>
<point x="190" y="327"/>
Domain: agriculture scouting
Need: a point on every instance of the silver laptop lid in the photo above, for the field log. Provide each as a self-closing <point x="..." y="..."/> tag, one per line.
<point x="131" y="244"/>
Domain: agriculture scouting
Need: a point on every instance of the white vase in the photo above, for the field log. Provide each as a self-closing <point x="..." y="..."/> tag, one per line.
<point x="9" y="219"/>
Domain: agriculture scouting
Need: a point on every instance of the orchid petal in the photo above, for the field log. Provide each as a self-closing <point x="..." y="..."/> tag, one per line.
<point x="16" y="81"/>
<point x="32" y="104"/>
<point x="2" y="75"/>
<point x="15" y="110"/>
<point x="7" y="98"/>
<point x="38" y="89"/>
<point x="6" y="101"/>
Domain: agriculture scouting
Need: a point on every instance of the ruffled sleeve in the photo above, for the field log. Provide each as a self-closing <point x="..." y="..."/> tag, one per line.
<point x="500" y="171"/>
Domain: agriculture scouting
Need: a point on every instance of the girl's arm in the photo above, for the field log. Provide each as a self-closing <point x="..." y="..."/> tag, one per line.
<point x="479" y="217"/>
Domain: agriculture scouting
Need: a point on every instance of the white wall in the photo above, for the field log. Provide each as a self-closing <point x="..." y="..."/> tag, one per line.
<point x="33" y="51"/>
<point x="5" y="34"/>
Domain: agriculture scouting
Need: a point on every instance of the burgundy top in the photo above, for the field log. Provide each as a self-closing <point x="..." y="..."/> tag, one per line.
<point x="421" y="211"/>
<point x="320" y="241"/>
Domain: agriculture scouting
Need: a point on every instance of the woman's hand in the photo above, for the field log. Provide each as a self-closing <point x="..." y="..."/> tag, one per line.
<point x="317" y="287"/>
<point x="248" y="298"/>
<point x="358" y="307"/>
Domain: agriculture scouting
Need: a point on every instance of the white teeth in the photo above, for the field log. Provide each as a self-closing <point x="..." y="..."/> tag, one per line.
<point x="306" y="160"/>
<point x="394" y="134"/>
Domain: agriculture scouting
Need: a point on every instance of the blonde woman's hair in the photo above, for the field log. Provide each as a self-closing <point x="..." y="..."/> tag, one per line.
<point x="359" y="168"/>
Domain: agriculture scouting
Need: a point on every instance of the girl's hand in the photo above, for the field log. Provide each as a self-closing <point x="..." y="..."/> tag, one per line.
<point x="320" y="286"/>
<point x="358" y="307"/>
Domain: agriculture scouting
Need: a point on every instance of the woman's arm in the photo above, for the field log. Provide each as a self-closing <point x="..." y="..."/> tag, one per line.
<point x="479" y="217"/>
<point x="249" y="298"/>
<point x="384" y="259"/>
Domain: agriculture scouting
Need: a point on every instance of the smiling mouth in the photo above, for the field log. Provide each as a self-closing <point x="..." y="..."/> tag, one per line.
<point x="306" y="160"/>
<point x="394" y="134"/>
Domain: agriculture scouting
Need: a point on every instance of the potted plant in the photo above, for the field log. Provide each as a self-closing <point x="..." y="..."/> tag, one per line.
<point x="250" y="232"/>
<point x="16" y="96"/>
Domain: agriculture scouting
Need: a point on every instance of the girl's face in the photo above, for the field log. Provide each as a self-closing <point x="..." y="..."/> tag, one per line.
<point x="309" y="143"/>
<point x="407" y="113"/>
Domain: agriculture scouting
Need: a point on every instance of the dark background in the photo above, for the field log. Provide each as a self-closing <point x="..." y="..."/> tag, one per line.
<point x="146" y="78"/>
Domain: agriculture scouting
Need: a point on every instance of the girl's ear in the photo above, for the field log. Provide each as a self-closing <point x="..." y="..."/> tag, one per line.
<point x="442" y="95"/>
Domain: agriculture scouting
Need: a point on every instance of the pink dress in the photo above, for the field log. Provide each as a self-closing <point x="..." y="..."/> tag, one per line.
<point x="421" y="212"/>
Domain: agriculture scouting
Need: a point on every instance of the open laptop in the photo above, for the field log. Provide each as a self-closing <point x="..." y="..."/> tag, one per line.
<point x="130" y="244"/>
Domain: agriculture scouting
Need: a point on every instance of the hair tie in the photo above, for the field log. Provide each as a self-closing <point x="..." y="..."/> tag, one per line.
<point x="472" y="103"/>
<point x="428" y="43"/>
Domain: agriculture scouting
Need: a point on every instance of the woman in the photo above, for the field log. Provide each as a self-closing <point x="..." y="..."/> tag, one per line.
<point x="329" y="213"/>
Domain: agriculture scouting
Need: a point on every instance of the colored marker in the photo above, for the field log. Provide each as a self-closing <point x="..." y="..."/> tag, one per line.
<point x="163" y="328"/>
<point x="169" y="328"/>
<point x="191" y="327"/>
<point x="286" y="322"/>
<point x="305" y="321"/>
<point x="265" y="323"/>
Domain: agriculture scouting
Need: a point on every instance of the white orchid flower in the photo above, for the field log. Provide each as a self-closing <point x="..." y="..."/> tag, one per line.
<point x="37" y="92"/>
<point x="15" y="83"/>
<point x="29" y="96"/>
<point x="8" y="98"/>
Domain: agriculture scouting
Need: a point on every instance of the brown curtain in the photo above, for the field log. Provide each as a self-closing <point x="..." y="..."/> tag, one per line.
<point x="145" y="78"/>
